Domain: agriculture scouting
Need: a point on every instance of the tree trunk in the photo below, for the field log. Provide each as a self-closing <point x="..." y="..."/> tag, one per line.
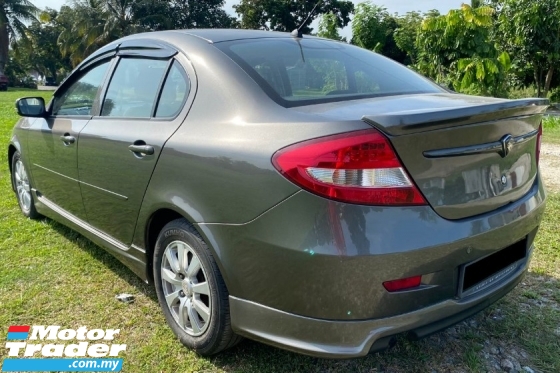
<point x="4" y="47"/>
<point x="548" y="80"/>
<point x="540" y="80"/>
<point x="537" y="79"/>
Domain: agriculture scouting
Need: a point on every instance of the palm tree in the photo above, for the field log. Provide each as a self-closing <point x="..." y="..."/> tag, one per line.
<point x="95" y="23"/>
<point x="14" y="14"/>
<point x="83" y="23"/>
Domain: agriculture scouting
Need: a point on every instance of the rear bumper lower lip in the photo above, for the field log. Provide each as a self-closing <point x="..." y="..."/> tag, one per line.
<point x="348" y="339"/>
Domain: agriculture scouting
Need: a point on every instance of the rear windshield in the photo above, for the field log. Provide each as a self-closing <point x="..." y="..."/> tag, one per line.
<point x="297" y="72"/>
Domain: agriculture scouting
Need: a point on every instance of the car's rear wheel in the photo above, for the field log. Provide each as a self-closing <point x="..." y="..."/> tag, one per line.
<point x="191" y="290"/>
<point x="22" y="187"/>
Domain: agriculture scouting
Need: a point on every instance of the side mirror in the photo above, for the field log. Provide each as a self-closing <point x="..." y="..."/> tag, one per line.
<point x="31" y="107"/>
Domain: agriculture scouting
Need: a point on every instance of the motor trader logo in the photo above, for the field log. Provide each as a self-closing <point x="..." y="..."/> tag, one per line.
<point x="50" y="348"/>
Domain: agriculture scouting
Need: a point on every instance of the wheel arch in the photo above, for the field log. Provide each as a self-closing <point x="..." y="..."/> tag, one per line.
<point x="155" y="223"/>
<point x="153" y="226"/>
<point x="12" y="149"/>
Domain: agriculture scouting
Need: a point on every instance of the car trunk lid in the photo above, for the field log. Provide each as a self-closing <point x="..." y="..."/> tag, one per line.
<point x="468" y="160"/>
<point x="467" y="155"/>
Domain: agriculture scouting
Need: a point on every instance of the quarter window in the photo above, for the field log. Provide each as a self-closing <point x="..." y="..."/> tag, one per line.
<point x="79" y="98"/>
<point x="134" y="88"/>
<point x="174" y="94"/>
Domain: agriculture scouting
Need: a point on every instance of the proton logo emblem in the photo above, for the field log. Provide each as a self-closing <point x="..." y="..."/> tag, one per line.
<point x="504" y="179"/>
<point x="507" y="145"/>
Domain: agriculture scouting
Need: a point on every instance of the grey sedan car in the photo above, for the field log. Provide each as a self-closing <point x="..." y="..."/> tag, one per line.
<point x="298" y="191"/>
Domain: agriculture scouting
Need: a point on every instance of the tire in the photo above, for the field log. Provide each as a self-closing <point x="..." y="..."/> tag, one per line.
<point x="22" y="188"/>
<point x="183" y="284"/>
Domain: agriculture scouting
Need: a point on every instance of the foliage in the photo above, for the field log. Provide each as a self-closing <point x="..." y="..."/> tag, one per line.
<point x="406" y="34"/>
<point x="369" y="29"/>
<point x="522" y="92"/>
<point x="39" y="51"/>
<point x="288" y="15"/>
<point x="530" y="30"/>
<point x="82" y="29"/>
<point x="328" y="27"/>
<point x="13" y="17"/>
<point x="554" y="95"/>
<point x="456" y="47"/>
<point x="183" y="14"/>
<point x="373" y="28"/>
<point x="16" y="71"/>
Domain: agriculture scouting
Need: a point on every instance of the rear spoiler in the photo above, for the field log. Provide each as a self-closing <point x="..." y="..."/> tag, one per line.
<point x="407" y="122"/>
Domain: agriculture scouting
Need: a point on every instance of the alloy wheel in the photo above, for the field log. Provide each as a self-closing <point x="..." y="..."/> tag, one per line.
<point x="22" y="185"/>
<point x="186" y="288"/>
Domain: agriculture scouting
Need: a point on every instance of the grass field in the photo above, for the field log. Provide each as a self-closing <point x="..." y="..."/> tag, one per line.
<point x="551" y="129"/>
<point x="50" y="275"/>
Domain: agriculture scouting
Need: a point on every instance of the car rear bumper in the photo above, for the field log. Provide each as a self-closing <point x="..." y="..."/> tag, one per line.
<point x="348" y="339"/>
<point x="308" y="274"/>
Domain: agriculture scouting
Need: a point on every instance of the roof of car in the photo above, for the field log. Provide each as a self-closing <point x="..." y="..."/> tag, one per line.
<point x="220" y="35"/>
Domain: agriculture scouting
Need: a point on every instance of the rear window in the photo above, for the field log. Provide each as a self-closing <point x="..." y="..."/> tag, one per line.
<point x="308" y="71"/>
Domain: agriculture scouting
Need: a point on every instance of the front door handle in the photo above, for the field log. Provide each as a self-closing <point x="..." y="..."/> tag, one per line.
<point x="142" y="149"/>
<point x="67" y="139"/>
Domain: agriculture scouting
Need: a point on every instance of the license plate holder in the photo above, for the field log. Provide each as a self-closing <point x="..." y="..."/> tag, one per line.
<point x="491" y="269"/>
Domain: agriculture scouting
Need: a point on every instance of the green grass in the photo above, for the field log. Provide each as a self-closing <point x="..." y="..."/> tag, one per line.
<point x="51" y="275"/>
<point x="551" y="129"/>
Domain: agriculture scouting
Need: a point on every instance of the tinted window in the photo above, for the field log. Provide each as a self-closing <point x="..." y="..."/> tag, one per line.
<point x="174" y="92"/>
<point x="133" y="88"/>
<point x="79" y="98"/>
<point x="307" y="71"/>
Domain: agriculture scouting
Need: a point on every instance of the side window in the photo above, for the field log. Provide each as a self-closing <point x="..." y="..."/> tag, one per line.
<point x="175" y="92"/>
<point x="79" y="98"/>
<point x="133" y="88"/>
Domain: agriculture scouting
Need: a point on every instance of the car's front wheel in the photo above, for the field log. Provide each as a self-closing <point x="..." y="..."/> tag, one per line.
<point x="22" y="187"/>
<point x="191" y="290"/>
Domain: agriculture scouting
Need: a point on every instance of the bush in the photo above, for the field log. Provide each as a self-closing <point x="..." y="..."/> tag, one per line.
<point x="522" y="92"/>
<point x="554" y="95"/>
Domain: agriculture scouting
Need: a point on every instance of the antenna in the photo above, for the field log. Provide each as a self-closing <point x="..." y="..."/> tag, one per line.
<point x="297" y="32"/>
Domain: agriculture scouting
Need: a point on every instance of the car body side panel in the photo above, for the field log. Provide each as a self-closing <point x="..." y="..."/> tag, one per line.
<point x="324" y="259"/>
<point x="53" y="163"/>
<point x="217" y="166"/>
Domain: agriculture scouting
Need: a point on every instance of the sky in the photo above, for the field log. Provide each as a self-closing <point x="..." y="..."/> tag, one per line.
<point x="393" y="6"/>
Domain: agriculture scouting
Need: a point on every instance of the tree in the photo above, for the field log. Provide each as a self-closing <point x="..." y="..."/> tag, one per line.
<point x="328" y="27"/>
<point x="14" y="14"/>
<point x="530" y="31"/>
<point x="39" y="51"/>
<point x="369" y="29"/>
<point x="373" y="28"/>
<point x="457" y="47"/>
<point x="406" y="34"/>
<point x="153" y="15"/>
<point x="288" y="15"/>
<point x="83" y="23"/>
<point x="90" y="24"/>
<point x="186" y="14"/>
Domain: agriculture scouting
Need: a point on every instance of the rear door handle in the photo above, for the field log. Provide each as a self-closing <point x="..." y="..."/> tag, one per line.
<point x="67" y="139"/>
<point x="142" y="149"/>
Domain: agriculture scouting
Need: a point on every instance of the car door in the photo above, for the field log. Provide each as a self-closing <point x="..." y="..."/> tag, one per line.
<point x="120" y="147"/>
<point x="53" y="142"/>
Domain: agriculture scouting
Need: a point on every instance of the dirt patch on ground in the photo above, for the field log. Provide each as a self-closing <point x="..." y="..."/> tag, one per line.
<point x="550" y="166"/>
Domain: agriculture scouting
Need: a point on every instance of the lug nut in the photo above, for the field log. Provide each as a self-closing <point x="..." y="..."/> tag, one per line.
<point x="181" y="294"/>
<point x="181" y="276"/>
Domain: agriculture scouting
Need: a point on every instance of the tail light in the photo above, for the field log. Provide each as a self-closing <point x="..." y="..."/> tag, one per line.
<point x="539" y="141"/>
<point x="358" y="167"/>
